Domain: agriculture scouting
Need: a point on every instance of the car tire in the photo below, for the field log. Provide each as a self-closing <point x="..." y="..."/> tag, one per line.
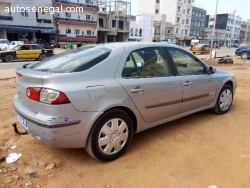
<point x="224" y="101"/>
<point x="193" y="52"/>
<point x="110" y="135"/>
<point x="9" y="58"/>
<point x="244" y="55"/>
<point x="229" y="61"/>
<point x="42" y="57"/>
<point x="222" y="60"/>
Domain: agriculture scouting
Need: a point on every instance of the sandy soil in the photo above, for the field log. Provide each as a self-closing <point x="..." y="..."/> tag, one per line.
<point x="197" y="151"/>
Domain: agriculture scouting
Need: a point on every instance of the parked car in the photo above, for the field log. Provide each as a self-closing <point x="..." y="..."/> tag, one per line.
<point x="13" y="44"/>
<point x="4" y="44"/>
<point x="243" y="50"/>
<point x="27" y="51"/>
<point x="42" y="43"/>
<point x="200" y="48"/>
<point x="135" y="86"/>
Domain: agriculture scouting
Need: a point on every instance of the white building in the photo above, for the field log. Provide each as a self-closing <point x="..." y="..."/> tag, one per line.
<point x="178" y="14"/>
<point x="142" y="28"/>
<point x="22" y="20"/>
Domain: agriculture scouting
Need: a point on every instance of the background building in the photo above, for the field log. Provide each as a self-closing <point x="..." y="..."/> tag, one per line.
<point x="114" y="17"/>
<point x="198" y="21"/>
<point x="245" y="31"/>
<point x="177" y="15"/>
<point x="229" y="22"/>
<point x="141" y="28"/>
<point x="78" y="26"/>
<point x="26" y="20"/>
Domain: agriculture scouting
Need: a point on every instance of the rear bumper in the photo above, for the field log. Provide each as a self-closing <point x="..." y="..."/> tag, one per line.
<point x="69" y="130"/>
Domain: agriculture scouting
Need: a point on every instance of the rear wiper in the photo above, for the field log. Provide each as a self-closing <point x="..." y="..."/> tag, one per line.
<point x="24" y="66"/>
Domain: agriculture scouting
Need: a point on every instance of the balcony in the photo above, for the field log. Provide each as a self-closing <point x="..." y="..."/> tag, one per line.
<point x="86" y="6"/>
<point x="38" y="20"/>
<point x="69" y="21"/>
<point x="10" y="18"/>
<point x="169" y="35"/>
<point x="156" y="34"/>
<point x="76" y="38"/>
<point x="157" y="23"/>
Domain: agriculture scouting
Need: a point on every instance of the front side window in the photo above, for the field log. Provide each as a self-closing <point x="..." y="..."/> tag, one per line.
<point x="146" y="62"/>
<point x="186" y="64"/>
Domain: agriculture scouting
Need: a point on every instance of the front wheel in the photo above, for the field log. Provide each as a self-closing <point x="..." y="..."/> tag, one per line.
<point x="224" y="101"/>
<point x="110" y="135"/>
<point x="42" y="57"/>
<point x="244" y="55"/>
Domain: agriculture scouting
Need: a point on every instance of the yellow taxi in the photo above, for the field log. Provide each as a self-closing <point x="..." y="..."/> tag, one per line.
<point x="200" y="48"/>
<point x="26" y="51"/>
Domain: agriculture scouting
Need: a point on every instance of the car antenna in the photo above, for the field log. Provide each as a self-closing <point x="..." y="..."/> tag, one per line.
<point x="24" y="66"/>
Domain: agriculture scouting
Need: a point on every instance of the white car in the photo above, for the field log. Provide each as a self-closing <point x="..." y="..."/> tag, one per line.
<point x="13" y="44"/>
<point x="4" y="44"/>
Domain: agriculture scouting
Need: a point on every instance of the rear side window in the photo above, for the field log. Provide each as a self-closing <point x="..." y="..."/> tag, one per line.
<point x="76" y="60"/>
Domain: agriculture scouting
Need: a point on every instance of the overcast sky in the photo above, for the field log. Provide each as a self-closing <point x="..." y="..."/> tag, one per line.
<point x="242" y="6"/>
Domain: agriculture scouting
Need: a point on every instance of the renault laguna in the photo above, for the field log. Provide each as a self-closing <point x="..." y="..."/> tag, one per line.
<point x="97" y="97"/>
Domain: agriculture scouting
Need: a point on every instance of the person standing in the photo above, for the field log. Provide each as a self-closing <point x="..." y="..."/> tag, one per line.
<point x="69" y="45"/>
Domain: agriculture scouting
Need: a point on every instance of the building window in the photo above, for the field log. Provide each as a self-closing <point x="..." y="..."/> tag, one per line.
<point x="179" y="9"/>
<point x="192" y="22"/>
<point x="178" y="19"/>
<point x="188" y="11"/>
<point x="156" y="11"/>
<point x="157" y="1"/>
<point x="187" y="21"/>
<point x="68" y="14"/>
<point x="100" y="22"/>
<point x="68" y="31"/>
<point x="177" y="30"/>
<point x="186" y="31"/>
<point x="140" y="32"/>
<point x="88" y="32"/>
<point x="182" y="31"/>
<point x="183" y="21"/>
<point x="87" y="17"/>
<point x="184" y="11"/>
<point x="193" y="12"/>
<point x="25" y="13"/>
<point x="202" y="24"/>
<point x="88" y="1"/>
<point x="77" y="31"/>
<point x="113" y="23"/>
<point x="131" y="32"/>
<point x="136" y="32"/>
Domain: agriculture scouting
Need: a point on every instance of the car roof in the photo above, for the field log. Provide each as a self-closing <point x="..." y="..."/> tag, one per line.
<point x="136" y="44"/>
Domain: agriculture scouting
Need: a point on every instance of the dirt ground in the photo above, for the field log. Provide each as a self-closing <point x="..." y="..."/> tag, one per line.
<point x="198" y="151"/>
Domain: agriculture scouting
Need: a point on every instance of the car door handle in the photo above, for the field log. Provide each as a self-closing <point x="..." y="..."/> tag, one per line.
<point x="187" y="84"/>
<point x="136" y="90"/>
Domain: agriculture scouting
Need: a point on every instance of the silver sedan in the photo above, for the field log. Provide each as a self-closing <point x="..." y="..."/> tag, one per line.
<point x="97" y="98"/>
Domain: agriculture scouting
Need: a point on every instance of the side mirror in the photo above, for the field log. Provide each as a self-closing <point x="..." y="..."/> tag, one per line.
<point x="211" y="70"/>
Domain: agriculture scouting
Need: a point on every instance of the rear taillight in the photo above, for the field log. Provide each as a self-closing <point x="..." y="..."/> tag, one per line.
<point x="48" y="96"/>
<point x="33" y="93"/>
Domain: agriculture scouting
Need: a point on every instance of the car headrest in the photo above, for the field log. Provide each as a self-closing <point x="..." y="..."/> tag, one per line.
<point x="150" y="56"/>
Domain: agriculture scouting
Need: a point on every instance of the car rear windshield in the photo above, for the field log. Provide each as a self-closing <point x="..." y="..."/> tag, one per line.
<point x="76" y="60"/>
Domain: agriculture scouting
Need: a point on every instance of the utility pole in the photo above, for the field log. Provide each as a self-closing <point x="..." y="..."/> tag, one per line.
<point x="246" y="31"/>
<point x="215" y="15"/>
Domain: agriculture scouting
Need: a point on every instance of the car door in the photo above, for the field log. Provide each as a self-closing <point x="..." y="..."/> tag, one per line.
<point x="198" y="86"/>
<point x="147" y="79"/>
<point x="22" y="52"/>
<point x="35" y="51"/>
